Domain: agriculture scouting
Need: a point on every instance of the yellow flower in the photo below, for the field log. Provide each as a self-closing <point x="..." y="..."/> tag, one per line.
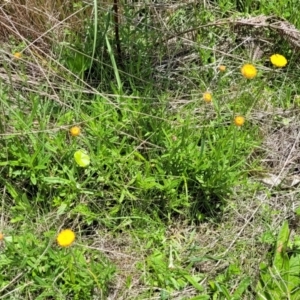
<point x="239" y="121"/>
<point x="75" y="131"/>
<point x="278" y="60"/>
<point x="17" y="55"/>
<point x="248" y="71"/>
<point x="1" y="236"/>
<point x="207" y="97"/>
<point x="65" y="238"/>
<point x="222" y="68"/>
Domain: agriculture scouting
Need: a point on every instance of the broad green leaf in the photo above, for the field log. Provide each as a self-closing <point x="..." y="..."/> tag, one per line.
<point x="281" y="259"/>
<point x="81" y="158"/>
<point x="294" y="276"/>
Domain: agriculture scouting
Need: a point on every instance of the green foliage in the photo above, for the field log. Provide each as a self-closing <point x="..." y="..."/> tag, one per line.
<point x="285" y="9"/>
<point x="151" y="152"/>
<point x="162" y="273"/>
<point x="281" y="279"/>
<point x="180" y="170"/>
<point x="221" y="287"/>
<point x="74" y="272"/>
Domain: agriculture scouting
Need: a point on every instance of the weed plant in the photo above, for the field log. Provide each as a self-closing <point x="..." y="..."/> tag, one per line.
<point x="128" y="142"/>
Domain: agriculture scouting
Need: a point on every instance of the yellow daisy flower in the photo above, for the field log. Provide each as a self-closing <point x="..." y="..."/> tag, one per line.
<point x="207" y="97"/>
<point x="239" y="121"/>
<point x="278" y="60"/>
<point x="222" y="68"/>
<point x="75" y="131"/>
<point x="17" y="55"/>
<point x="248" y="71"/>
<point x="65" y="238"/>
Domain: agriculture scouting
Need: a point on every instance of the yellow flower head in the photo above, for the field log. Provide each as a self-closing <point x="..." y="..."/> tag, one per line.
<point x="75" y="131"/>
<point x="17" y="55"/>
<point x="222" y="68"/>
<point x="65" y="238"/>
<point x="1" y="236"/>
<point x="278" y="60"/>
<point x="207" y="97"/>
<point x="239" y="121"/>
<point x="248" y="71"/>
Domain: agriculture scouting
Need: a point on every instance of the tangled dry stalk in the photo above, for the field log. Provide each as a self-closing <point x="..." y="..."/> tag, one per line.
<point x="41" y="22"/>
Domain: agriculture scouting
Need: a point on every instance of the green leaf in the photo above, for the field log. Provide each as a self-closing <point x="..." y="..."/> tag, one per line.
<point x="82" y="158"/>
<point x="193" y="282"/>
<point x="33" y="178"/>
<point x="61" y="209"/>
<point x="294" y="276"/>
<point x="56" y="180"/>
<point x="223" y="290"/>
<point x="281" y="259"/>
<point x="14" y="194"/>
<point x="241" y="288"/>
<point x="297" y="211"/>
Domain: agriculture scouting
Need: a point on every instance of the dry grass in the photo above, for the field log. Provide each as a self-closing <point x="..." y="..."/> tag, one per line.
<point x="41" y="22"/>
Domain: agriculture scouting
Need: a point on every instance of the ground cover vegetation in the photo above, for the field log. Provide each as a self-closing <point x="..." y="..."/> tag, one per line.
<point x="149" y="150"/>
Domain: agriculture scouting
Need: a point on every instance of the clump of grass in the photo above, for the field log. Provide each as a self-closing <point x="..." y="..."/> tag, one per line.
<point x="76" y="272"/>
